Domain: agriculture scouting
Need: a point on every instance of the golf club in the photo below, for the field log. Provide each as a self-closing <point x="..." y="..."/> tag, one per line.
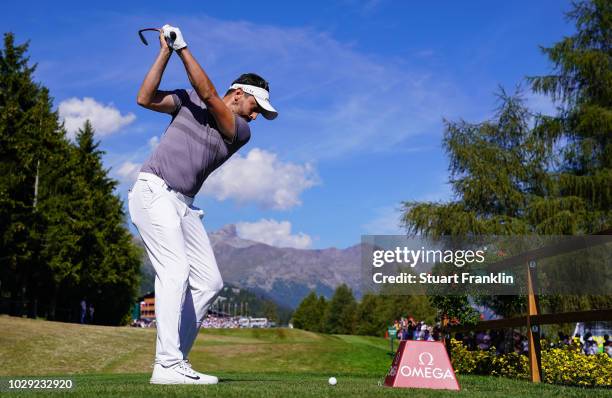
<point x="144" y="41"/>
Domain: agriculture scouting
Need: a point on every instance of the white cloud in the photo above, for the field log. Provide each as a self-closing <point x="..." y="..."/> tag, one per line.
<point x="260" y="177"/>
<point x="345" y="102"/>
<point x="128" y="171"/>
<point x="106" y="119"/>
<point x="274" y="233"/>
<point x="154" y="142"/>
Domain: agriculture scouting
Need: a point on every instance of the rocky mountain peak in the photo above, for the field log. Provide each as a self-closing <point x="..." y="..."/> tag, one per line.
<point x="227" y="231"/>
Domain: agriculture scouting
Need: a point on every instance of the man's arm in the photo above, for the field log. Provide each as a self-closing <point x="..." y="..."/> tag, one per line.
<point x="149" y="96"/>
<point x="208" y="94"/>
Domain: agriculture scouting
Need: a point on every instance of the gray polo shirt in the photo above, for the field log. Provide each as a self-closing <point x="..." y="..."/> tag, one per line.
<point x="192" y="146"/>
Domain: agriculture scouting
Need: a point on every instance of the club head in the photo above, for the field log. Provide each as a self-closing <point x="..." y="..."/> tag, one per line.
<point x="142" y="38"/>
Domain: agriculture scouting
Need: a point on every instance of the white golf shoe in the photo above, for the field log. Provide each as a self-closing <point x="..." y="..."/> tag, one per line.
<point x="181" y="373"/>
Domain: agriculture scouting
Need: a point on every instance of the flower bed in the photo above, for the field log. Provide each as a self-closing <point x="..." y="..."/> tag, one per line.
<point x="568" y="365"/>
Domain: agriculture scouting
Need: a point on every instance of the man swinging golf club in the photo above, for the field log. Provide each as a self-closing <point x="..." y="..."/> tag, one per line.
<point x="204" y="132"/>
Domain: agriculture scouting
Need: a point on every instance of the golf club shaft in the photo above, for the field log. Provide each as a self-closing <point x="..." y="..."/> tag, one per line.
<point x="144" y="41"/>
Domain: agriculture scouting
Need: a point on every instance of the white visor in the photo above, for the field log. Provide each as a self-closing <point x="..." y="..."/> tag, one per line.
<point x="262" y="96"/>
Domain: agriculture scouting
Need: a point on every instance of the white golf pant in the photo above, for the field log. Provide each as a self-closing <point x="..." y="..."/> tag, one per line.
<point x="187" y="278"/>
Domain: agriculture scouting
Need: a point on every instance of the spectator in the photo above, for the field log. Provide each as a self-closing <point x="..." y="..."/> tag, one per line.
<point x="428" y="334"/>
<point x="590" y="345"/>
<point x="517" y="342"/>
<point x="91" y="313"/>
<point x="607" y="345"/>
<point x="525" y="345"/>
<point x="421" y="331"/>
<point x="436" y="334"/>
<point x="468" y="342"/>
<point x="410" y="330"/>
<point x="485" y="342"/>
<point x="564" y="339"/>
<point x="425" y="335"/>
<point x="83" y="309"/>
<point x="497" y="341"/>
<point x="397" y="327"/>
<point x="479" y="339"/>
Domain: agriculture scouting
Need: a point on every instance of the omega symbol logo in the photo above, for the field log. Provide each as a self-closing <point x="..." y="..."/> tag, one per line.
<point x="425" y="355"/>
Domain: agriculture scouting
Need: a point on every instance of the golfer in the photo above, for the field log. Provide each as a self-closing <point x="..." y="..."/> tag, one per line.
<point x="204" y="132"/>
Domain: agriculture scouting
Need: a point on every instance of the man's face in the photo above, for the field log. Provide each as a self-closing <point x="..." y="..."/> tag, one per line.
<point x="246" y="106"/>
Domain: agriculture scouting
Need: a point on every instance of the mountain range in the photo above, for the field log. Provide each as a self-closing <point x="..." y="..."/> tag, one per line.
<point x="285" y="275"/>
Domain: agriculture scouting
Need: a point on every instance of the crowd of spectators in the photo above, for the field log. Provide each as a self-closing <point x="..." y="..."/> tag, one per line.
<point x="409" y="329"/>
<point x="589" y="345"/>
<point x="211" y="321"/>
<point x="216" y="322"/>
<point x="143" y="323"/>
<point x="485" y="340"/>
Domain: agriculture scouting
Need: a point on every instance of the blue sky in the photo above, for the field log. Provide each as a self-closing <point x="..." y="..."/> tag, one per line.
<point x="362" y="89"/>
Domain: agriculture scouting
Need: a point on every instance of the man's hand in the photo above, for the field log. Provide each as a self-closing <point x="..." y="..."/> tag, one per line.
<point x="178" y="43"/>
<point x="149" y="96"/>
<point x="164" y="42"/>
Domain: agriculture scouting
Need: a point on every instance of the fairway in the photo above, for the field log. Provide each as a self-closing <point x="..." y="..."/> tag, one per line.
<point x="116" y="361"/>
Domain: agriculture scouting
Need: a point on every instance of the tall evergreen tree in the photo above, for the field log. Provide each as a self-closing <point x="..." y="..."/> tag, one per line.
<point x="497" y="169"/>
<point x="109" y="260"/>
<point x="57" y="198"/>
<point x="309" y="313"/>
<point x="340" y="314"/>
<point x="582" y="82"/>
<point x="302" y="315"/>
<point x="29" y="134"/>
<point x="320" y="310"/>
<point x="368" y="316"/>
<point x="506" y="174"/>
<point x="270" y="310"/>
<point x="62" y="228"/>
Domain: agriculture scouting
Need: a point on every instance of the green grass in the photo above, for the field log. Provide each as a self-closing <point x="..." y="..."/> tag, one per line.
<point x="111" y="361"/>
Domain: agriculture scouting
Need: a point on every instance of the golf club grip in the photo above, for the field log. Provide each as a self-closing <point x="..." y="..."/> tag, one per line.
<point x="172" y="36"/>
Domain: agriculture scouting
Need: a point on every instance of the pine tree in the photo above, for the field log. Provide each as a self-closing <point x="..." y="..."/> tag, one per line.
<point x="110" y="261"/>
<point x="319" y="314"/>
<point x="309" y="313"/>
<point x="497" y="167"/>
<point x="506" y="174"/>
<point x="60" y="251"/>
<point x="270" y="310"/>
<point x="302" y="313"/>
<point x="87" y="248"/>
<point x="582" y="83"/>
<point x="62" y="227"/>
<point x="29" y="135"/>
<point x="368" y="317"/>
<point x="340" y="314"/>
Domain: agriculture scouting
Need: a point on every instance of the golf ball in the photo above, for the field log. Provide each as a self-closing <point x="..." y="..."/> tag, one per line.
<point x="332" y="381"/>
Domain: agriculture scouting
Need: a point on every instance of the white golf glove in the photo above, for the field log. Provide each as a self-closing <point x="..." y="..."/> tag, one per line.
<point x="178" y="41"/>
